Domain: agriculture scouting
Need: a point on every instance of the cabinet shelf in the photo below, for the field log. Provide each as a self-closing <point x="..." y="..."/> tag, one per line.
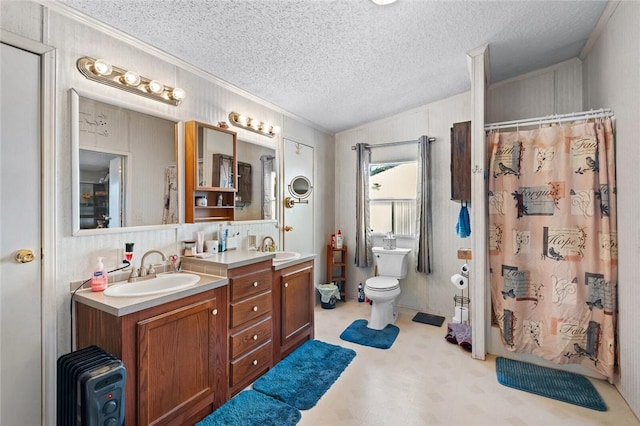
<point x="337" y="262"/>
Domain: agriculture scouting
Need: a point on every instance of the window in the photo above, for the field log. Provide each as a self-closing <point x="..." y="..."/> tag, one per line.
<point x="392" y="197"/>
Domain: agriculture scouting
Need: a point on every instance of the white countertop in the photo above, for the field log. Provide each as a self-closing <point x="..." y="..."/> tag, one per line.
<point x="218" y="262"/>
<point x="237" y="258"/>
<point x="233" y="258"/>
<point x="120" y="306"/>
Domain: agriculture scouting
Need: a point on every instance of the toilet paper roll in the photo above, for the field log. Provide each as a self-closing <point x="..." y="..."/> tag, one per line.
<point x="459" y="281"/>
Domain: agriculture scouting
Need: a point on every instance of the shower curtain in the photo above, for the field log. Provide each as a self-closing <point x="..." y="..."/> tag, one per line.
<point x="268" y="186"/>
<point x="552" y="242"/>
<point x="170" y="210"/>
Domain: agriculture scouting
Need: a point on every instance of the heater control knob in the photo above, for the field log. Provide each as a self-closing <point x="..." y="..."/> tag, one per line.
<point x="109" y="407"/>
<point x="111" y="421"/>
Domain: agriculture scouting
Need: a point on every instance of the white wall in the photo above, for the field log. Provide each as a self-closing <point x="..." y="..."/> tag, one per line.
<point x="612" y="79"/>
<point x="432" y="293"/>
<point x="207" y="101"/>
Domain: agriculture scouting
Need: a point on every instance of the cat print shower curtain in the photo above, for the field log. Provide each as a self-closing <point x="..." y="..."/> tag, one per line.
<point x="552" y="238"/>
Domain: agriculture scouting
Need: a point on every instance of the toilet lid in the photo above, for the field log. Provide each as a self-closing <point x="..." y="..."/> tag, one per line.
<point x="382" y="283"/>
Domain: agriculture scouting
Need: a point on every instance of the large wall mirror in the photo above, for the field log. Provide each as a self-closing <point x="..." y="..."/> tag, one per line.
<point x="256" y="198"/>
<point x="124" y="171"/>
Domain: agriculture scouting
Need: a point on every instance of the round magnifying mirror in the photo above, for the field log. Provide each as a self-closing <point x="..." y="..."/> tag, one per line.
<point x="300" y="187"/>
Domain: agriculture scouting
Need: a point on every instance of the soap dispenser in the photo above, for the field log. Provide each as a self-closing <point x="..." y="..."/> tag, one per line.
<point x="100" y="278"/>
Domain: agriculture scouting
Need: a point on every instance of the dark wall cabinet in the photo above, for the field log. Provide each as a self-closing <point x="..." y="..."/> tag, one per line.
<point x="461" y="161"/>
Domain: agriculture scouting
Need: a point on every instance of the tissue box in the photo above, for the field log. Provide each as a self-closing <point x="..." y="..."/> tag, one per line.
<point x="389" y="243"/>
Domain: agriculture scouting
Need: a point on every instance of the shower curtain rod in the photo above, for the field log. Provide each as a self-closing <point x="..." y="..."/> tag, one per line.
<point x="382" y="145"/>
<point x="557" y="118"/>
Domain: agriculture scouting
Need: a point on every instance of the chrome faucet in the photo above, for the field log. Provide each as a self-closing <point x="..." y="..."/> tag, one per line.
<point x="263" y="247"/>
<point x="142" y="273"/>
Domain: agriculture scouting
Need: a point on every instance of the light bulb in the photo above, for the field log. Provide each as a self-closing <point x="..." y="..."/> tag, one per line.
<point x="275" y="129"/>
<point x="131" y="78"/>
<point x="155" y="86"/>
<point x="102" y="67"/>
<point x="242" y="120"/>
<point x="178" y="94"/>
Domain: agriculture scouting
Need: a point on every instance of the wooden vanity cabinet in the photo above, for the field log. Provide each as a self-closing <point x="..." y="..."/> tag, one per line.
<point x="294" y="300"/>
<point x="250" y="324"/>
<point x="174" y="354"/>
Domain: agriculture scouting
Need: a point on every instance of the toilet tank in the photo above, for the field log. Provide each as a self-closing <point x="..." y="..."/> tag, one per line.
<point x="391" y="263"/>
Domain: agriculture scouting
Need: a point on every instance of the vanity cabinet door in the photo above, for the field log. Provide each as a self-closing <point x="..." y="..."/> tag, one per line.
<point x="175" y="355"/>
<point x="176" y="363"/>
<point x="296" y="300"/>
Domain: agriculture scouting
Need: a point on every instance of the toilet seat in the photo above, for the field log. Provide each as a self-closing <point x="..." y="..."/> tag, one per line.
<point x="382" y="283"/>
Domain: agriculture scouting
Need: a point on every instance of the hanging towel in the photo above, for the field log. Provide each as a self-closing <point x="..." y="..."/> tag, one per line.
<point x="463" y="228"/>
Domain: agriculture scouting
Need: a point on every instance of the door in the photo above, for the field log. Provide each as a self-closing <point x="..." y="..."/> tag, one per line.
<point x="298" y="220"/>
<point x="20" y="228"/>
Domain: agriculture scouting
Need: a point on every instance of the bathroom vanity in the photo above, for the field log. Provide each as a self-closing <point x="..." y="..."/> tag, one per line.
<point x="189" y="351"/>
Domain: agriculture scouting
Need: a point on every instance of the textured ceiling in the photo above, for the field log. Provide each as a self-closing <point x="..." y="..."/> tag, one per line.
<point x="342" y="63"/>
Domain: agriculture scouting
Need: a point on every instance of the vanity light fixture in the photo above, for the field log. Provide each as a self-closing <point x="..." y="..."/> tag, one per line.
<point x="103" y="72"/>
<point x="252" y="124"/>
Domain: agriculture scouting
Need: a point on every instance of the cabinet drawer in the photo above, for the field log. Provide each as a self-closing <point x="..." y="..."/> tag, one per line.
<point x="252" y="363"/>
<point x="249" y="309"/>
<point x="249" y="285"/>
<point x="250" y="338"/>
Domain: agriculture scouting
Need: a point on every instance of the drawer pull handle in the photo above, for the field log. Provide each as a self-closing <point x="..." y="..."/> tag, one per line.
<point x="214" y="312"/>
<point x="255" y="362"/>
<point x="255" y="337"/>
<point x="255" y="283"/>
<point x="286" y="285"/>
<point x="255" y="309"/>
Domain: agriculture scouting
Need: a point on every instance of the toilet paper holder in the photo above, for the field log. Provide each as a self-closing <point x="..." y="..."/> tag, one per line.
<point x="461" y="281"/>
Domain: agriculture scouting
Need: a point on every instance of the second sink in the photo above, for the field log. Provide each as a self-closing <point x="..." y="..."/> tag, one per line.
<point x="285" y="256"/>
<point x="163" y="283"/>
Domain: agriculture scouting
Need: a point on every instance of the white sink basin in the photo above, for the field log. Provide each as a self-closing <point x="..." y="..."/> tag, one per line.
<point x="163" y="283"/>
<point x="285" y="256"/>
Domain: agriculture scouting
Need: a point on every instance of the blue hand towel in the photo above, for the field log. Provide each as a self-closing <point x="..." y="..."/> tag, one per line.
<point x="463" y="228"/>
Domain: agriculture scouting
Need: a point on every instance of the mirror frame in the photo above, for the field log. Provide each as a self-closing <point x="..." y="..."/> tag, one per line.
<point x="74" y="100"/>
<point x="296" y="194"/>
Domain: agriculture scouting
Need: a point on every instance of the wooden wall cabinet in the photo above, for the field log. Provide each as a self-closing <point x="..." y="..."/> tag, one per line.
<point x="294" y="300"/>
<point x="175" y="356"/>
<point x="250" y="324"/>
<point x="461" y="161"/>
<point x="209" y="173"/>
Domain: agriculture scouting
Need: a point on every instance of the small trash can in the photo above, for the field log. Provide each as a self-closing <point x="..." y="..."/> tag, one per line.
<point x="329" y="293"/>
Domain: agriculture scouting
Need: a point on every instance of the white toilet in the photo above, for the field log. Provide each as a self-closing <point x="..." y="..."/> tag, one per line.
<point x="383" y="289"/>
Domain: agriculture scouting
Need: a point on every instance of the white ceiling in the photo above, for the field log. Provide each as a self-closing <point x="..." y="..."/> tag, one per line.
<point x="342" y="63"/>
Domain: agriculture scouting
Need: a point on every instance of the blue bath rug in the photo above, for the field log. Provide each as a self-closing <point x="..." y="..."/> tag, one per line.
<point x="306" y="374"/>
<point x="358" y="333"/>
<point x="252" y="408"/>
<point x="561" y="385"/>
